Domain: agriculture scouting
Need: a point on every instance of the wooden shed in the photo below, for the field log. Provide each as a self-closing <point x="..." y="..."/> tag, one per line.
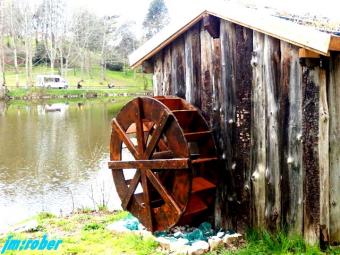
<point x="270" y="89"/>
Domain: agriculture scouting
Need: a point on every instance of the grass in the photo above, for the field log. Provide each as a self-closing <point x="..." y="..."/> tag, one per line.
<point x="85" y="233"/>
<point x="127" y="78"/>
<point x="262" y="242"/>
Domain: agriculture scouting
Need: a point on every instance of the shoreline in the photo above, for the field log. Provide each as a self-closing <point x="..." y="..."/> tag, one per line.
<point x="45" y="94"/>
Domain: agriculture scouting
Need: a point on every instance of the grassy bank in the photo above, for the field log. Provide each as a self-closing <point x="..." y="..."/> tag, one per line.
<point x="262" y="242"/>
<point x="127" y="78"/>
<point x="85" y="233"/>
<point x="43" y="93"/>
<point x="125" y="82"/>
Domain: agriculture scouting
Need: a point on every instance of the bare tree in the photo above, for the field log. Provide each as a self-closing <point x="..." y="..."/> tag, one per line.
<point x="53" y="11"/>
<point x="108" y="28"/>
<point x="2" y="55"/>
<point x="28" y="34"/>
<point x="14" y="28"/>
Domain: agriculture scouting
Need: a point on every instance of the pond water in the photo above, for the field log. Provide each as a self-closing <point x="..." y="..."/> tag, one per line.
<point x="53" y="157"/>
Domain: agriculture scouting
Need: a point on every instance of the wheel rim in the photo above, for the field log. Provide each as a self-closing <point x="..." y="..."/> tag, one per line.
<point x="157" y="133"/>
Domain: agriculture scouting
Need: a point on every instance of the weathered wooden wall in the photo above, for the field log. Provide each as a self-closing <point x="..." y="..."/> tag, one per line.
<point x="275" y="118"/>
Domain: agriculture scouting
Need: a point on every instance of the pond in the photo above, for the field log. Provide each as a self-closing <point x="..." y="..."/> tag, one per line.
<point x="53" y="157"/>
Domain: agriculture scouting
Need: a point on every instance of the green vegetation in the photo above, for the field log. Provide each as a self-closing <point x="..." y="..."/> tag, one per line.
<point x="124" y="82"/>
<point x="127" y="78"/>
<point x="262" y="242"/>
<point x="85" y="233"/>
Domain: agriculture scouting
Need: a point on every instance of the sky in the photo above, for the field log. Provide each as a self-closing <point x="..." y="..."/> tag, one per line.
<point x="135" y="10"/>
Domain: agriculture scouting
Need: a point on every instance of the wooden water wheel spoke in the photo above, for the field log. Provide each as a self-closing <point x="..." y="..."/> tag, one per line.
<point x="146" y="197"/>
<point x="132" y="189"/>
<point x="156" y="135"/>
<point x="174" y="163"/>
<point x="162" y="191"/>
<point x="123" y="137"/>
<point x="139" y="127"/>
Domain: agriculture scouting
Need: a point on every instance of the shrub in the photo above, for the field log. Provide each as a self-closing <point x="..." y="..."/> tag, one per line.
<point x="118" y="66"/>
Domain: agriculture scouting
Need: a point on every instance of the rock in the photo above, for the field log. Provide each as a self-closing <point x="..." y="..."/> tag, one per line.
<point x="198" y="248"/>
<point x="165" y="242"/>
<point x="232" y="240"/>
<point x="181" y="250"/>
<point x="29" y="226"/>
<point x="215" y="242"/>
<point x="220" y="234"/>
<point x="178" y="234"/>
<point x="179" y="246"/>
<point x="118" y="227"/>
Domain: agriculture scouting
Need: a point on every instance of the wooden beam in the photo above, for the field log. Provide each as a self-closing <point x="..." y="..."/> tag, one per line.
<point x="334" y="44"/>
<point x="212" y="25"/>
<point x="304" y="53"/>
<point x="174" y="163"/>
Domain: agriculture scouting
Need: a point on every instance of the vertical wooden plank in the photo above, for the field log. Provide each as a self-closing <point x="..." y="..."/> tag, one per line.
<point x="324" y="158"/>
<point x="189" y="67"/>
<point x="158" y="75"/>
<point x="206" y="74"/>
<point x="167" y="71"/>
<point x="291" y="119"/>
<point x="226" y="92"/>
<point x="334" y="148"/>
<point x="271" y="58"/>
<point x="258" y="133"/>
<point x="311" y="93"/>
<point x="192" y="65"/>
<point x="241" y="162"/>
<point x="178" y="67"/>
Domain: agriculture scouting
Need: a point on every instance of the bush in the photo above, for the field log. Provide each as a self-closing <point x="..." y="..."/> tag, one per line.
<point x="115" y="66"/>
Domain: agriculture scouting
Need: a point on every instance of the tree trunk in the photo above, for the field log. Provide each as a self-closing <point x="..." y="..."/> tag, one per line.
<point x="15" y="58"/>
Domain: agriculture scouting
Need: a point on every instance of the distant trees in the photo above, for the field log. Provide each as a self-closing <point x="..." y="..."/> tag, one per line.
<point x="156" y="18"/>
<point x="48" y="32"/>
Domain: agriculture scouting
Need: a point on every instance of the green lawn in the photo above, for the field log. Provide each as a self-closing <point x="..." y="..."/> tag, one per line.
<point x="127" y="78"/>
<point x="85" y="233"/>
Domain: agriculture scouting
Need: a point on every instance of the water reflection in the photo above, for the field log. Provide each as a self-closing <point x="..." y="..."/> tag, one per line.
<point x="53" y="157"/>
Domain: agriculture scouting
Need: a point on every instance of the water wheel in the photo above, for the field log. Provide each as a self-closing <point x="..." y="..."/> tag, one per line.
<point x="163" y="161"/>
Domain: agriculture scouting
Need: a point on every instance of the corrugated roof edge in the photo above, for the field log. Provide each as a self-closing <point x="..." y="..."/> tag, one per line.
<point x="302" y="36"/>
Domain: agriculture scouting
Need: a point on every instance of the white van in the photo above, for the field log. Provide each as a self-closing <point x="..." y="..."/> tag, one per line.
<point x="51" y="81"/>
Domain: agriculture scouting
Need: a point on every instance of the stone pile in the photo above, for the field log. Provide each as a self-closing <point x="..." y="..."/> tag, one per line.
<point x="183" y="239"/>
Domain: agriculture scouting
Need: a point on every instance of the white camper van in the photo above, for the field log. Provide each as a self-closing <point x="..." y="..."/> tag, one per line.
<point x="51" y="81"/>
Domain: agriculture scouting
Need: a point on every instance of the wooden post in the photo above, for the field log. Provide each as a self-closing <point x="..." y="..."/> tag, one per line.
<point x="227" y="113"/>
<point x="167" y="71"/>
<point x="324" y="158"/>
<point x="273" y="174"/>
<point x="241" y="149"/>
<point x="258" y="133"/>
<point x="311" y="95"/>
<point x="192" y="65"/>
<point x="206" y="74"/>
<point x="178" y="67"/>
<point x="158" y="75"/>
<point x="291" y="119"/>
<point x="334" y="148"/>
